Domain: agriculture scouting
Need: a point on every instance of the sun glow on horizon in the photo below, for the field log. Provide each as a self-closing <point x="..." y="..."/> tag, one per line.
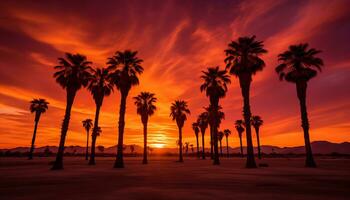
<point x="158" y="145"/>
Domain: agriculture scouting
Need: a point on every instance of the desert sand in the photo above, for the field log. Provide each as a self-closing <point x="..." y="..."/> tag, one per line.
<point x="163" y="178"/>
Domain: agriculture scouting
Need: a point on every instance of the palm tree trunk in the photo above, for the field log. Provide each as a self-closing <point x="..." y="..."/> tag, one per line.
<point x="240" y="141"/>
<point x="245" y="80"/>
<point x="87" y="146"/>
<point x="228" y="154"/>
<point x="301" y="91"/>
<point x="258" y="141"/>
<point x="37" y="117"/>
<point x="145" y="161"/>
<point x="58" y="164"/>
<point x="216" y="148"/>
<point x="92" y="153"/>
<point x="180" y="145"/>
<point x="119" y="162"/>
<point x="197" y="146"/>
<point x="94" y="135"/>
<point x="203" y="149"/>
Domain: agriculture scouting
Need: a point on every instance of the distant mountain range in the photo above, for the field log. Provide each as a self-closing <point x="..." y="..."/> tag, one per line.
<point x="318" y="147"/>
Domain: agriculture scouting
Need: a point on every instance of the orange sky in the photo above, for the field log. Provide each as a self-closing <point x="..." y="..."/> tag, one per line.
<point x="176" y="40"/>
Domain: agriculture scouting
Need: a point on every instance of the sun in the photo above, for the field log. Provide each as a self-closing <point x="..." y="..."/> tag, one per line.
<point x="158" y="145"/>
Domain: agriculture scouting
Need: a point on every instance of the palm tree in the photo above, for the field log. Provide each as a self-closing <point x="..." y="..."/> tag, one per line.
<point x="220" y="137"/>
<point x="73" y="73"/>
<point x="186" y="147"/>
<point x="219" y="117"/>
<point x="215" y="87"/>
<point x="87" y="124"/>
<point x="178" y="112"/>
<point x="195" y="127"/>
<point x="256" y="122"/>
<point x="298" y="65"/>
<point x="227" y="133"/>
<point x="243" y="60"/>
<point x="203" y="125"/>
<point x="100" y="85"/>
<point x="145" y="107"/>
<point x="38" y="106"/>
<point x="240" y="129"/>
<point x="126" y="67"/>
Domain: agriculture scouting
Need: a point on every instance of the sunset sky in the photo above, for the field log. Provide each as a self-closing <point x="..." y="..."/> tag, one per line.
<point x="176" y="40"/>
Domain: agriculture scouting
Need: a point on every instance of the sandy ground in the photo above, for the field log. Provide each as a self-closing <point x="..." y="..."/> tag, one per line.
<point x="163" y="178"/>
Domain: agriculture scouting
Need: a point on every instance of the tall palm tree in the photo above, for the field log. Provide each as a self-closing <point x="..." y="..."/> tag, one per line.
<point x="73" y="73"/>
<point x="178" y="112"/>
<point x="87" y="124"/>
<point x="256" y="122"/>
<point x="145" y="108"/>
<point x="37" y="106"/>
<point x="227" y="133"/>
<point x="195" y="127"/>
<point x="126" y="68"/>
<point x="243" y="60"/>
<point x="240" y="129"/>
<point x="298" y="65"/>
<point x="100" y="85"/>
<point x="215" y="87"/>
<point x="203" y="125"/>
<point x="220" y="137"/>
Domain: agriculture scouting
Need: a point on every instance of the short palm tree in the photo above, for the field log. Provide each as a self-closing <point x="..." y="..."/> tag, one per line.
<point x="100" y="85"/>
<point x="243" y="60"/>
<point x="227" y="133"/>
<point x="37" y="106"/>
<point x="239" y="125"/>
<point x="215" y="83"/>
<point x="256" y="122"/>
<point x="203" y="125"/>
<point x="73" y="73"/>
<point x="195" y="127"/>
<point x="126" y="67"/>
<point x="145" y="108"/>
<point x="298" y="65"/>
<point x="87" y="124"/>
<point x="178" y="112"/>
<point x="220" y="116"/>
<point x="220" y="137"/>
<point x="186" y="147"/>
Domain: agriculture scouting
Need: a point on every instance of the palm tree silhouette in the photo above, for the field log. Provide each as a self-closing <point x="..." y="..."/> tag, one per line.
<point x="215" y="87"/>
<point x="73" y="73"/>
<point x="240" y="129"/>
<point x="38" y="106"/>
<point x="145" y="107"/>
<point x="220" y="137"/>
<point x="100" y="85"/>
<point x="243" y="61"/>
<point x="298" y="65"/>
<point x="126" y="67"/>
<point x="195" y="127"/>
<point x="227" y="133"/>
<point x="186" y="147"/>
<point x="87" y="124"/>
<point x="203" y="125"/>
<point x="210" y="110"/>
<point x="256" y="122"/>
<point x="178" y="111"/>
